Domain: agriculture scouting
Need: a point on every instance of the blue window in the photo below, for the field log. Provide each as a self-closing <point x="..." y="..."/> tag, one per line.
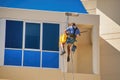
<point x="31" y="58"/>
<point x="50" y="59"/>
<point x="13" y="57"/>
<point x="16" y="55"/>
<point x="32" y="36"/>
<point x="50" y="36"/>
<point x="14" y="34"/>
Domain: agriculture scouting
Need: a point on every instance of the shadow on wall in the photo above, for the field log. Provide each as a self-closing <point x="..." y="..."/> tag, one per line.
<point x="109" y="61"/>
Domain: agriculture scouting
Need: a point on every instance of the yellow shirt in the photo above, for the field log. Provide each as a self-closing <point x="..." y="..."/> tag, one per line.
<point x="63" y="38"/>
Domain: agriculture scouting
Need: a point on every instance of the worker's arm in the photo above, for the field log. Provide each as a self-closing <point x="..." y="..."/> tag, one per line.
<point x="77" y="33"/>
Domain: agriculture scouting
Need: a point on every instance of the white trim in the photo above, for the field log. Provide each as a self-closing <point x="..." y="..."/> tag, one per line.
<point x="60" y="31"/>
<point x="50" y="68"/>
<point x="13" y="19"/>
<point x="62" y="59"/>
<point x="23" y="43"/>
<point x="23" y="49"/>
<point x="49" y="51"/>
<point x="32" y="21"/>
<point x="31" y="67"/>
<point x="2" y="40"/>
<point x="32" y="49"/>
<point x="41" y="35"/>
<point x="13" y="48"/>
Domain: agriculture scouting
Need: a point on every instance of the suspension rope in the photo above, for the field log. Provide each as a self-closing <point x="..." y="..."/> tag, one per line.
<point x="63" y="68"/>
<point x="67" y="21"/>
<point x="72" y="63"/>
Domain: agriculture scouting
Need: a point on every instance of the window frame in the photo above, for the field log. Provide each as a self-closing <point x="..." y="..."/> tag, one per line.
<point x="41" y="40"/>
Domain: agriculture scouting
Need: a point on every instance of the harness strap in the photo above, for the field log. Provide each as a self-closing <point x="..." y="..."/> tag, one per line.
<point x="74" y="30"/>
<point x="73" y="35"/>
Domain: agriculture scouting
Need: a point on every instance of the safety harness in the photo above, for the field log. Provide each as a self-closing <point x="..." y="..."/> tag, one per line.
<point x="73" y="35"/>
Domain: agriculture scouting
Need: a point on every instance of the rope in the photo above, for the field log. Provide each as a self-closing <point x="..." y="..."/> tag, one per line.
<point x="63" y="69"/>
<point x="67" y="21"/>
<point x="72" y="65"/>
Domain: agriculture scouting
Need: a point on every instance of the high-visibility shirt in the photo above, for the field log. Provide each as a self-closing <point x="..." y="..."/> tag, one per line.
<point x="63" y="38"/>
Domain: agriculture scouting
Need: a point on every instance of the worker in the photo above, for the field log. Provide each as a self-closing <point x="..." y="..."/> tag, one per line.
<point x="69" y="37"/>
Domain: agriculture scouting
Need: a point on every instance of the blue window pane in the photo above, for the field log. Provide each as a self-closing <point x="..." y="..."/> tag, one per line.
<point x="31" y="58"/>
<point x="50" y="59"/>
<point x="14" y="34"/>
<point x="50" y="36"/>
<point x="13" y="57"/>
<point x="32" y="36"/>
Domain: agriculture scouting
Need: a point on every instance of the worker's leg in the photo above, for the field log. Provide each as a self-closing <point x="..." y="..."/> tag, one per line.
<point x="73" y="48"/>
<point x="68" y="51"/>
<point x="62" y="48"/>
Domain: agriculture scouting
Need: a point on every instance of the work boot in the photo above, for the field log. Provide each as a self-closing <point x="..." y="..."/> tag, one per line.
<point x="68" y="59"/>
<point x="63" y="52"/>
<point x="74" y="48"/>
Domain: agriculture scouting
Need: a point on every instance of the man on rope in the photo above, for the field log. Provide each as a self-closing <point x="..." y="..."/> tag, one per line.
<point x="69" y="37"/>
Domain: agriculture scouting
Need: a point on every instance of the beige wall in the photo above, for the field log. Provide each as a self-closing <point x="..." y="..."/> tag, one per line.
<point x="82" y="58"/>
<point x="110" y="8"/>
<point x="55" y="17"/>
<point x="90" y="6"/>
<point x="83" y="19"/>
<point x="109" y="61"/>
<point x="110" y="39"/>
<point x="84" y="51"/>
<point x="17" y="73"/>
<point x="109" y="47"/>
<point x="109" y="30"/>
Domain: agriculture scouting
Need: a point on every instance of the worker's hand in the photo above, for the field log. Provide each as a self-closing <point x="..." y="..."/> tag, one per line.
<point x="77" y="36"/>
<point x="67" y="32"/>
